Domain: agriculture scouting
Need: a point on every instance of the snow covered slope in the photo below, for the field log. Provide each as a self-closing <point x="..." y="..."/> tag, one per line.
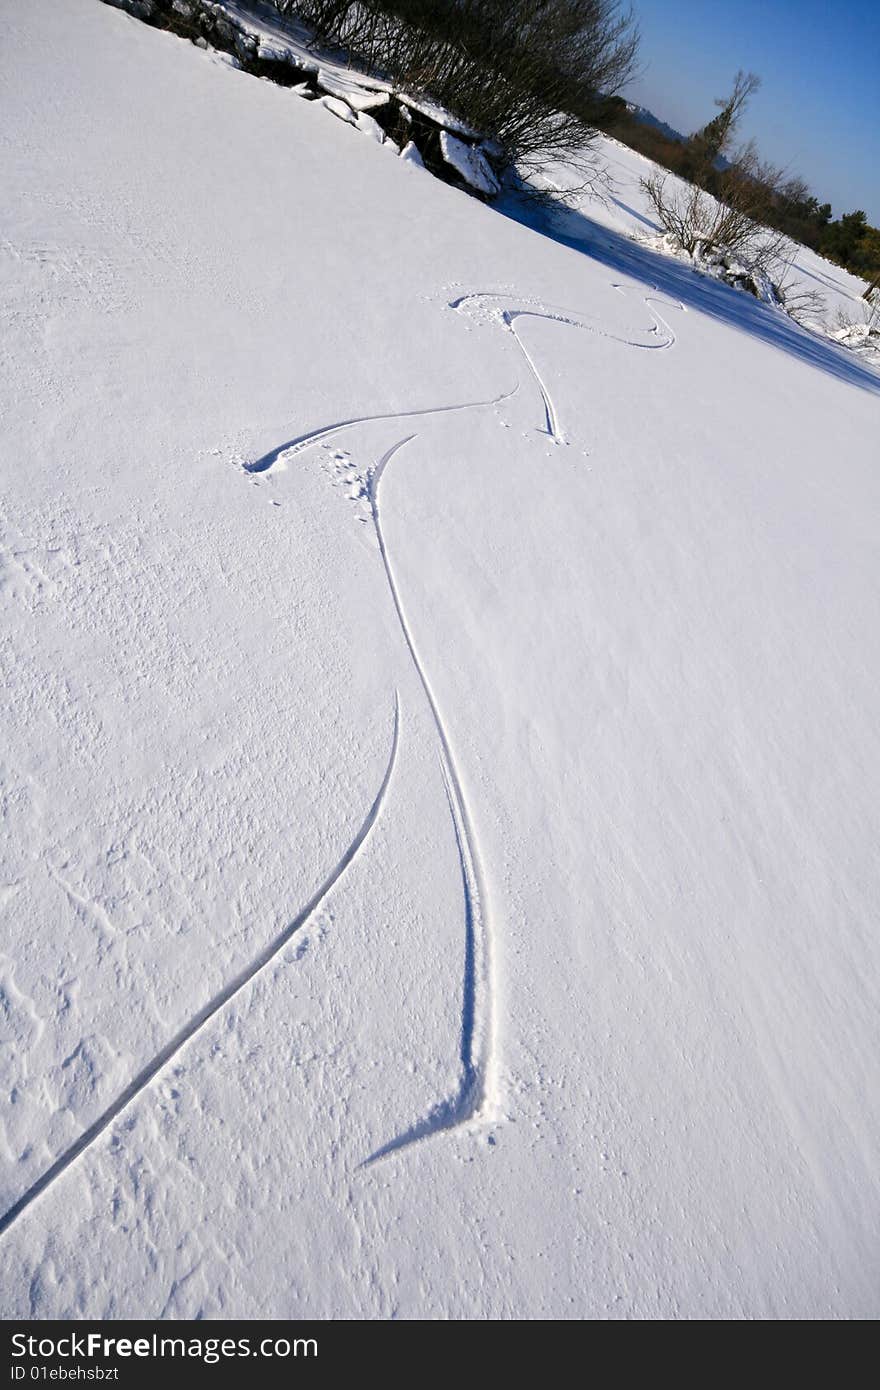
<point x="627" y="212"/>
<point x="440" y="763"/>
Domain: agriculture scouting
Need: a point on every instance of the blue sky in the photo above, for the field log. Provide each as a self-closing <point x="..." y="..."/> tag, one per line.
<point x="818" y="110"/>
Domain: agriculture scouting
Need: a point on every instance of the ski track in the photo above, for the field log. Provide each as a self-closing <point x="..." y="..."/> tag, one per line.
<point x="552" y="313"/>
<point x="476" y="1097"/>
<point x="204" y="1015"/>
<point x="304" y="441"/>
<point x="474" y="1094"/>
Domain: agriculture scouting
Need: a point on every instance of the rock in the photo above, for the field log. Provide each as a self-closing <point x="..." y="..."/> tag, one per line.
<point x="339" y="108"/>
<point x="368" y="126"/>
<point x="469" y="163"/>
<point x="410" y="153"/>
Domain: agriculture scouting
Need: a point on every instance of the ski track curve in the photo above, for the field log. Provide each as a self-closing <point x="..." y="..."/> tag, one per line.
<point x="475" y="1092"/>
<point x="304" y="441"/>
<point x="203" y="1016"/>
<point x="538" y="309"/>
<point x="474" y="1095"/>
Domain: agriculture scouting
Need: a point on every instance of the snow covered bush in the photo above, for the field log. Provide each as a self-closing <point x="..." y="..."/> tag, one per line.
<point x="528" y="76"/>
<point x="723" y="233"/>
<point x="861" y="333"/>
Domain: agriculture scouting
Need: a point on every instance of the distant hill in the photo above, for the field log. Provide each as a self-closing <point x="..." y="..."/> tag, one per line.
<point x="646" y="117"/>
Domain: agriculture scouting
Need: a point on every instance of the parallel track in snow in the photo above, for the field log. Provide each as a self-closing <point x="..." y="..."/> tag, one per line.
<point x="474" y="1094"/>
<point x="476" y="1097"/>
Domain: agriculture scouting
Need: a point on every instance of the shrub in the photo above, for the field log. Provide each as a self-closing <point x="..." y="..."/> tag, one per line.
<point x="729" y="223"/>
<point x="531" y="75"/>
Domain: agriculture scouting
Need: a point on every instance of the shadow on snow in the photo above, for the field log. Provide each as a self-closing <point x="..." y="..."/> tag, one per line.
<point x="572" y="228"/>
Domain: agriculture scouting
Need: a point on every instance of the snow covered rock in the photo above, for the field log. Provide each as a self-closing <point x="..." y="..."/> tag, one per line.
<point x="470" y="163"/>
<point x="276" y="50"/>
<point x="272" y="52"/>
<point x="410" y="153"/>
<point x="438" y="115"/>
<point x="141" y="9"/>
<point x="360" y="95"/>
<point x="371" y="127"/>
<point x="367" y="101"/>
<point x="246" y="46"/>
<point x="339" y="108"/>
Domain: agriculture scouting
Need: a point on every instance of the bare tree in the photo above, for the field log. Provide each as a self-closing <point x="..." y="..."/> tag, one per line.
<point x="725" y="229"/>
<point x="713" y="141"/>
<point x="806" y="306"/>
<point x="529" y="74"/>
<point x="862" y="332"/>
<point x="872" y="293"/>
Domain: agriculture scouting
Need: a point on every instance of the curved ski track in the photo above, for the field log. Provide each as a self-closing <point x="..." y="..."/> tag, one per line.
<point x="476" y="1092"/>
<point x="200" y="1019"/>
<point x="304" y="441"/>
<point x="537" y="309"/>
<point x="477" y="1039"/>
<point x="476" y="1051"/>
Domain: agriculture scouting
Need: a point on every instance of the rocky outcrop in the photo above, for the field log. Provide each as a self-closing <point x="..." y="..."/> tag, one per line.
<point x="442" y="144"/>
